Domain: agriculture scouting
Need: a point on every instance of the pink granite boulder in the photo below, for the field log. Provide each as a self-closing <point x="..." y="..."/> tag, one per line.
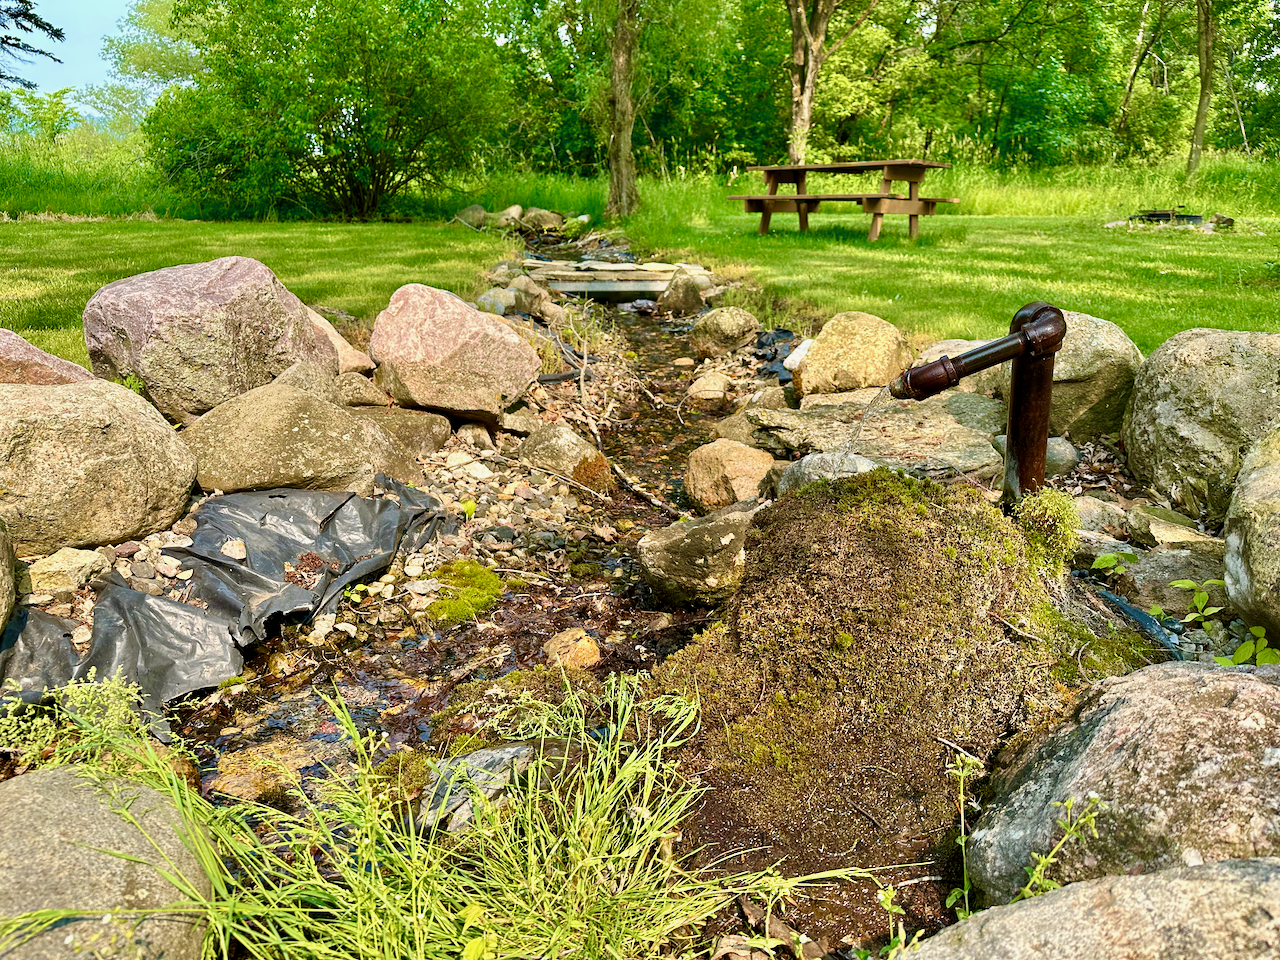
<point x="436" y="352"/>
<point x="20" y="362"/>
<point x="199" y="334"/>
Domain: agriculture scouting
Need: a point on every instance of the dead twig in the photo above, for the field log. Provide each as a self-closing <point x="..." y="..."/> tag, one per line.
<point x="652" y="499"/>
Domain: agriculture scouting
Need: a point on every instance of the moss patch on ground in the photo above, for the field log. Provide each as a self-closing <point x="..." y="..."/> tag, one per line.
<point x="467" y="589"/>
<point x="870" y="627"/>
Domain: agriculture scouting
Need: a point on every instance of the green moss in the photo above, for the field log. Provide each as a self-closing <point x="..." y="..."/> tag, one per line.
<point x="1049" y="519"/>
<point x="868" y="628"/>
<point x="467" y="589"/>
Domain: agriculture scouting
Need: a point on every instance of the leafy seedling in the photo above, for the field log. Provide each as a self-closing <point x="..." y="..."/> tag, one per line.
<point x="1200" y="610"/>
<point x="1255" y="649"/>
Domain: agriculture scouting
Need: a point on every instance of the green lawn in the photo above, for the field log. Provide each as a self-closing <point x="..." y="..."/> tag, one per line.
<point x="50" y="269"/>
<point x="965" y="277"/>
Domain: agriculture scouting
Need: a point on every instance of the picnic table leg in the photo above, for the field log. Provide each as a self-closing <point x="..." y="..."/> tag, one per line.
<point x="914" y="229"/>
<point x="877" y="219"/>
<point x="801" y="208"/>
<point x="766" y="214"/>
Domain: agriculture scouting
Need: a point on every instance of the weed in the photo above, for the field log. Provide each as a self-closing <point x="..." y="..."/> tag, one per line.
<point x="1073" y="828"/>
<point x="961" y="770"/>
<point x="1255" y="649"/>
<point x="1200" y="611"/>
<point x="1114" y="564"/>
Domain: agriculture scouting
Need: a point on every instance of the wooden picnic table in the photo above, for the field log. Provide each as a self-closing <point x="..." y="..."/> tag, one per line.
<point x="912" y="172"/>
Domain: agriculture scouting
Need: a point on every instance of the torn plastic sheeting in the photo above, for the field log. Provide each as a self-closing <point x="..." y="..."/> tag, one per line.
<point x="165" y="647"/>
<point x="348" y="537"/>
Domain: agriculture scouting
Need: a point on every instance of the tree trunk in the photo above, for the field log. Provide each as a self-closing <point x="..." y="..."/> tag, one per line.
<point x="1204" y="47"/>
<point x="623" y="195"/>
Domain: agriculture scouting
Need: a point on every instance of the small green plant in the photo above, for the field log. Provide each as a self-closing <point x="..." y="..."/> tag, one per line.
<point x="961" y="770"/>
<point x="1255" y="649"/>
<point x="79" y="726"/>
<point x="1073" y="828"/>
<point x="1049" y="519"/>
<point x="1114" y="564"/>
<point x="1200" y="610"/>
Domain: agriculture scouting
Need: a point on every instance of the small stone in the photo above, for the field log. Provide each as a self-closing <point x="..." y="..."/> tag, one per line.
<point x="235" y="549"/>
<point x="478" y="471"/>
<point x="476" y="435"/>
<point x="184" y="574"/>
<point x="572" y="648"/>
<point x="413" y="571"/>
<point x="348" y="628"/>
<point x="387" y="578"/>
<point x="168" y="567"/>
<point x="142" y="570"/>
<point x="388" y="591"/>
<point x="458" y="458"/>
<point x="37" y="599"/>
<point x="149" y="587"/>
<point x="185" y="527"/>
<point x="684" y="362"/>
<point x="423" y="588"/>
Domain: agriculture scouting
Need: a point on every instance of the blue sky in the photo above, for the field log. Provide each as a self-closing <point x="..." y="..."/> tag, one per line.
<point x="86" y="22"/>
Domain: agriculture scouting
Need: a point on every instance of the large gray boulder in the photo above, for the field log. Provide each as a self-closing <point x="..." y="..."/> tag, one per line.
<point x="557" y="449"/>
<point x="699" y="561"/>
<point x="199" y="334"/>
<point x="725" y="472"/>
<point x="21" y="362"/>
<point x="1218" y="910"/>
<point x="1199" y="402"/>
<point x="948" y="433"/>
<point x="1093" y="377"/>
<point x="1253" y="537"/>
<point x="280" y="436"/>
<point x="410" y="436"/>
<point x="437" y="352"/>
<point x="831" y="465"/>
<point x="65" y="843"/>
<point x="1182" y="758"/>
<point x="722" y="331"/>
<point x="852" y="351"/>
<point x="87" y="464"/>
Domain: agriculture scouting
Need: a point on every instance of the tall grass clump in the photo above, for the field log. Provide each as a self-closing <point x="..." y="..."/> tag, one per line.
<point x="576" y="861"/>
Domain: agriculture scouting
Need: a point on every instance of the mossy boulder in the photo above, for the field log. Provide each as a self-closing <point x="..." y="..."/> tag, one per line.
<point x="871" y="627"/>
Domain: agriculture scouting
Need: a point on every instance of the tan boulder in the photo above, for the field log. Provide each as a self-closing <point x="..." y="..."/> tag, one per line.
<point x="722" y="331"/>
<point x="350" y="360"/>
<point x="852" y="351"/>
<point x="724" y="472"/>
<point x="572" y="648"/>
<point x="1253" y="537"/>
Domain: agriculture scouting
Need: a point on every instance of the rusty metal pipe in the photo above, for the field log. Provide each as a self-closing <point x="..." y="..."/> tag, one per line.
<point x="1035" y="335"/>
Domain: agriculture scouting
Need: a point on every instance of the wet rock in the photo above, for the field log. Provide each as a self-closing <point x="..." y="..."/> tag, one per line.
<point x="436" y="352"/>
<point x="1226" y="909"/>
<point x="852" y="351"/>
<point x="682" y="296"/>
<point x="1060" y="456"/>
<point x="831" y="465"/>
<point x="1199" y="402"/>
<point x="66" y="571"/>
<point x="63" y="845"/>
<point x="87" y="463"/>
<point x="8" y="588"/>
<point x="572" y="648"/>
<point x="1093" y="376"/>
<point x="1253" y="537"/>
<point x="21" y="362"/>
<point x="350" y="360"/>
<point x="724" y="472"/>
<point x="279" y="436"/>
<point x="710" y="391"/>
<point x="1097" y="515"/>
<point x="556" y="448"/>
<point x="199" y="334"/>
<point x="357" y="390"/>
<point x="698" y="561"/>
<point x="949" y="433"/>
<point x="472" y="216"/>
<point x="722" y="331"/>
<point x="1159" y="748"/>
<point x="263" y="771"/>
<point x="1148" y="581"/>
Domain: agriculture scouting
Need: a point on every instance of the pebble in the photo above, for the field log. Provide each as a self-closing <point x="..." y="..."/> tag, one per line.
<point x="413" y="571"/>
<point x="128" y="548"/>
<point x="348" y="628"/>
<point x="167" y="567"/>
<point x="234" y="549"/>
<point x="142" y="570"/>
<point x="684" y="362"/>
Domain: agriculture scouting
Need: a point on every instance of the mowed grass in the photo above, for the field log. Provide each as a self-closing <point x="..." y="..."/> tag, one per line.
<point x="49" y="269"/>
<point x="967" y="275"/>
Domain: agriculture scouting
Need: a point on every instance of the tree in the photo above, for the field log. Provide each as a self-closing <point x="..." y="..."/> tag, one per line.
<point x="623" y="195"/>
<point x="1204" y="55"/>
<point x="20" y="16"/>
<point x="810" y="20"/>
<point x="330" y="106"/>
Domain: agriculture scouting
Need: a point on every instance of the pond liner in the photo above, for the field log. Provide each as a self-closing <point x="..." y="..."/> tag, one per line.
<point x="1145" y="622"/>
<point x="303" y="549"/>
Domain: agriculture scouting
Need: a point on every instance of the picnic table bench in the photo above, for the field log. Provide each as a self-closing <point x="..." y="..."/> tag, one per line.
<point x="912" y="172"/>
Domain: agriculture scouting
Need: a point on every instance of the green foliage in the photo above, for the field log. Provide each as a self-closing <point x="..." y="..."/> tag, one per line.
<point x="1200" y="610"/>
<point x="962" y="769"/>
<point x="1073" y="827"/>
<point x="44" y="117"/>
<point x="1049" y="518"/>
<point x="467" y="589"/>
<point x="1114" y="564"/>
<point x="1255" y="649"/>
<point x="80" y="726"/>
<point x="18" y="19"/>
<point x="326" y="107"/>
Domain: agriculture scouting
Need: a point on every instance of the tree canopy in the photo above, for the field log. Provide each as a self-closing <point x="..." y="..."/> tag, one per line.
<point x="18" y="19"/>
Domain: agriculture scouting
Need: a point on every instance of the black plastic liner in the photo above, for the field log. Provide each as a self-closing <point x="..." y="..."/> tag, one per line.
<point x="303" y="548"/>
